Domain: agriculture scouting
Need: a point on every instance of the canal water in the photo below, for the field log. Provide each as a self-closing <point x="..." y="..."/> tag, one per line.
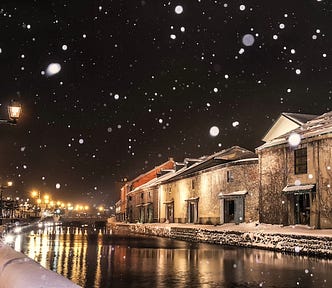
<point x="101" y="259"/>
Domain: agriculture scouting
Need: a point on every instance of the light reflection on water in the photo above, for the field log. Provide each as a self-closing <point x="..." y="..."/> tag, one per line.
<point x="105" y="260"/>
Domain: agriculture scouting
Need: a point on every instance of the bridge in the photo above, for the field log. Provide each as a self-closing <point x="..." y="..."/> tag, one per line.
<point x="92" y="221"/>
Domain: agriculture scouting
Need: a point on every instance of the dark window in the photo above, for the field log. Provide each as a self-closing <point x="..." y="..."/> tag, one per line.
<point x="193" y="184"/>
<point x="300" y="161"/>
<point x="230" y="177"/>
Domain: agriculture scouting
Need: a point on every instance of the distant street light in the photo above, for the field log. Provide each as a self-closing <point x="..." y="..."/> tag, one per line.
<point x="9" y="184"/>
<point x="14" y="112"/>
<point x="35" y="194"/>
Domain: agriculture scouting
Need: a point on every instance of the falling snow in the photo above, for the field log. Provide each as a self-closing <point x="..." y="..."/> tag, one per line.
<point x="214" y="131"/>
<point x="178" y="9"/>
<point x="158" y="74"/>
<point x="53" y="69"/>
<point x="248" y="40"/>
<point x="294" y="140"/>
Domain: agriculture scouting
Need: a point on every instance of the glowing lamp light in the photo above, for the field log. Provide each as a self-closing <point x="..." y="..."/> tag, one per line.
<point x="294" y="139"/>
<point x="14" y="110"/>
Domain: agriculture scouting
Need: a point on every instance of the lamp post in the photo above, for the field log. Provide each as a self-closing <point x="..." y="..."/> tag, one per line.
<point x="14" y="112"/>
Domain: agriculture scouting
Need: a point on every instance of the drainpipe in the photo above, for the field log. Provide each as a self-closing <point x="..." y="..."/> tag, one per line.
<point x="159" y="195"/>
<point x="318" y="186"/>
<point x="286" y="182"/>
<point x="260" y="187"/>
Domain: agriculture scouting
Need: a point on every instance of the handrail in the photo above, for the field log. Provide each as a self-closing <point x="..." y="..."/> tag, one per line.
<point x="19" y="271"/>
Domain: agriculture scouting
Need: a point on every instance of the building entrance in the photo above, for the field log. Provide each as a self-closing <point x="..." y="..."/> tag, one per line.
<point x="302" y="208"/>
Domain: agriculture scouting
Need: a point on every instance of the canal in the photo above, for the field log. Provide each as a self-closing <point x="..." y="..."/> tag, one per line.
<point x="101" y="259"/>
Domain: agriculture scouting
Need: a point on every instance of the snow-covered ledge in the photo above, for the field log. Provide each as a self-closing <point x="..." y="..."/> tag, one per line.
<point x="20" y="271"/>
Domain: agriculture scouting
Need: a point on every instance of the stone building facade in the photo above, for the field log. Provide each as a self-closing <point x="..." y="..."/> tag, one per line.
<point x="135" y="205"/>
<point x="296" y="172"/>
<point x="289" y="183"/>
<point x="225" y="192"/>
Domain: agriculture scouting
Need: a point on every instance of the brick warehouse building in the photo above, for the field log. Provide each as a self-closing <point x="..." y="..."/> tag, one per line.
<point x="296" y="174"/>
<point x="287" y="181"/>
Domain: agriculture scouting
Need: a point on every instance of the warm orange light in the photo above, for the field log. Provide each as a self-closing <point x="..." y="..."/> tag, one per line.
<point x="34" y="194"/>
<point x="46" y="199"/>
<point x="14" y="110"/>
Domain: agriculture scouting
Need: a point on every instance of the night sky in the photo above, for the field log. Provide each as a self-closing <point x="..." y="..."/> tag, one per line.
<point x="144" y="80"/>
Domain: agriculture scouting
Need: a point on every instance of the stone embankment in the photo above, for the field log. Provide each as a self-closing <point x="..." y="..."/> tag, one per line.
<point x="288" y="240"/>
<point x="20" y="271"/>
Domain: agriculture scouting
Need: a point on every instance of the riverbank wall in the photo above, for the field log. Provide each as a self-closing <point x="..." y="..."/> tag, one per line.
<point x="19" y="271"/>
<point x="308" y="242"/>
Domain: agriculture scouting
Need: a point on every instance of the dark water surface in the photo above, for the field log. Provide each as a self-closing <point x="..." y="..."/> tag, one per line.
<point x="106" y="260"/>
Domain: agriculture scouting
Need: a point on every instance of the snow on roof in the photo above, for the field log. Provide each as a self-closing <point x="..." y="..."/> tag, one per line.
<point x="318" y="126"/>
<point x="245" y="160"/>
<point x="232" y="154"/>
<point x="153" y="182"/>
<point x="299" y="118"/>
<point x="232" y="194"/>
<point x="285" y="123"/>
<point x="151" y="170"/>
<point x="295" y="188"/>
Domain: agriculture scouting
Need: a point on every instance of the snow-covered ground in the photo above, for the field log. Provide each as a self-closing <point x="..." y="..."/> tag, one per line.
<point x="291" y="239"/>
<point x="269" y="228"/>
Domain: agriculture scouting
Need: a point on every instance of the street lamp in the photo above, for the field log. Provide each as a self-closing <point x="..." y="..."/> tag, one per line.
<point x="14" y="112"/>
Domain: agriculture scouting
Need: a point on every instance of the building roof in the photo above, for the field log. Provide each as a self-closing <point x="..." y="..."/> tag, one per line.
<point x="154" y="182"/>
<point x="151" y="174"/>
<point x="285" y="123"/>
<point x="317" y="126"/>
<point x="231" y="154"/>
<point x="299" y="118"/>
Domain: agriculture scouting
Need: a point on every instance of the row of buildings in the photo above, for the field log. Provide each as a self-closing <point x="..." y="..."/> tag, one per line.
<point x="287" y="181"/>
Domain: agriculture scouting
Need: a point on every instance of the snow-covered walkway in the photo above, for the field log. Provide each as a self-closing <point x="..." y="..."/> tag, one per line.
<point x="291" y="239"/>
